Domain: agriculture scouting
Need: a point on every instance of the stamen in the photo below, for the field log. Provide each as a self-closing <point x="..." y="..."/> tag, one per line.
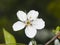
<point x="28" y="22"/>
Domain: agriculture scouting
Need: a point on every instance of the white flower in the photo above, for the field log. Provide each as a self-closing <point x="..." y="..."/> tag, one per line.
<point x="32" y="42"/>
<point x="30" y="21"/>
<point x="56" y="42"/>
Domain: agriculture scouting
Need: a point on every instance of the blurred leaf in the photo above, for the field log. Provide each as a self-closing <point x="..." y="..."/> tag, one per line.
<point x="9" y="38"/>
<point x="56" y="30"/>
<point x="13" y="44"/>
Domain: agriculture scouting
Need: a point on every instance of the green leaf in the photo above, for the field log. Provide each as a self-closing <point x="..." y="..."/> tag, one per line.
<point x="14" y="44"/>
<point x="56" y="30"/>
<point x="9" y="38"/>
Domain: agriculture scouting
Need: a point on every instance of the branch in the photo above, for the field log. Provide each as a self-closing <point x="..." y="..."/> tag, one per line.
<point x="53" y="39"/>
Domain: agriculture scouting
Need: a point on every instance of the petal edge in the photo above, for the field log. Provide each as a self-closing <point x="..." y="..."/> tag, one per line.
<point x="21" y="15"/>
<point x="38" y="24"/>
<point x="30" y="32"/>
<point x="32" y="15"/>
<point x="18" y="26"/>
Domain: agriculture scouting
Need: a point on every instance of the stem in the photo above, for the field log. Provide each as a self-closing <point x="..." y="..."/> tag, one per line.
<point x="52" y="39"/>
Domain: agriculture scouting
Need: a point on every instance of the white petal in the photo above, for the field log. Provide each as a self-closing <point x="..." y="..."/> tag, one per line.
<point x="21" y="15"/>
<point x="32" y="15"/>
<point x="56" y="42"/>
<point x="33" y="42"/>
<point x="30" y="32"/>
<point x="38" y="24"/>
<point x="18" y="26"/>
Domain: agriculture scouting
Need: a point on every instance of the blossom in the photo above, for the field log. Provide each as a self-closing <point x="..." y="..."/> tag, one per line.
<point x="56" y="42"/>
<point x="30" y="22"/>
<point x="32" y="42"/>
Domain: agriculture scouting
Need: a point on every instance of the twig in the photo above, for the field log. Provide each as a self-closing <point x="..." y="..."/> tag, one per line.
<point x="52" y="39"/>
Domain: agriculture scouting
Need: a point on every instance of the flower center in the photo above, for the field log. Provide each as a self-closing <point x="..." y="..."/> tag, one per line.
<point x="28" y="22"/>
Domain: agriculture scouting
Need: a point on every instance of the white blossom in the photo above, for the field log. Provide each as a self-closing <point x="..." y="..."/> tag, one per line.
<point x="32" y="42"/>
<point x="30" y="21"/>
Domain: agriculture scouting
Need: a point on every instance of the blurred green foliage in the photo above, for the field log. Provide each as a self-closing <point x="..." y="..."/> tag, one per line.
<point x="57" y="30"/>
<point x="49" y="10"/>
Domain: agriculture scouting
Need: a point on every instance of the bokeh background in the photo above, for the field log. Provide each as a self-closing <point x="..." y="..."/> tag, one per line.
<point x="49" y="11"/>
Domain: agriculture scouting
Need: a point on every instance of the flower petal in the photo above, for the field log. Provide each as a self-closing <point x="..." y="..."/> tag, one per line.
<point x="21" y="15"/>
<point x="18" y="26"/>
<point x="30" y="43"/>
<point x="30" y="32"/>
<point x="38" y="24"/>
<point x="56" y="42"/>
<point x="32" y="15"/>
